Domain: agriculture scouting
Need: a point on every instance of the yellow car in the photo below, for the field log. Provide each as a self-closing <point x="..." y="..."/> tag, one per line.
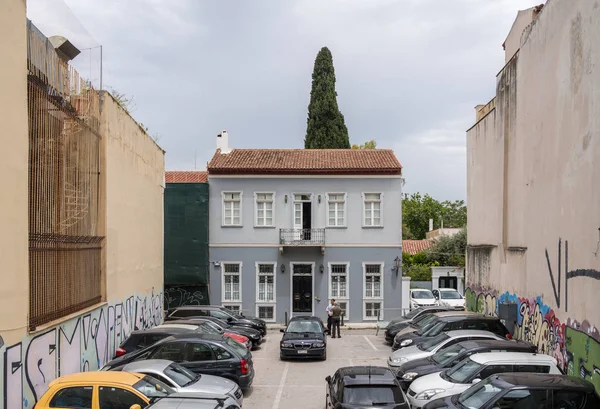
<point x="102" y="390"/>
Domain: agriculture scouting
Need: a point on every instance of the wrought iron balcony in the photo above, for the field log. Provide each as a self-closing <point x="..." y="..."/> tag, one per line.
<point x="302" y="237"/>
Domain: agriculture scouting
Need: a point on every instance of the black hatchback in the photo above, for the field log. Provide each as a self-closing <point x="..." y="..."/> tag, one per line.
<point x="221" y="313"/>
<point x="304" y="337"/>
<point x="451" y="355"/>
<point x="362" y="387"/>
<point x="411" y="319"/>
<point x="449" y="322"/>
<point x="205" y="354"/>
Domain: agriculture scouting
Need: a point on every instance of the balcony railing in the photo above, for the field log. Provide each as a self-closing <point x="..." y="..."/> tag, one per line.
<point x="302" y="237"/>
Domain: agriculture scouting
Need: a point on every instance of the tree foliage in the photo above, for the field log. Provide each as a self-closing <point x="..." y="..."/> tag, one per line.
<point x="325" y="128"/>
<point x="449" y="250"/>
<point x="417" y="210"/>
<point x="367" y="145"/>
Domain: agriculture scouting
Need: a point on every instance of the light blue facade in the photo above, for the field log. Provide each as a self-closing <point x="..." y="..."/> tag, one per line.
<point x="353" y="244"/>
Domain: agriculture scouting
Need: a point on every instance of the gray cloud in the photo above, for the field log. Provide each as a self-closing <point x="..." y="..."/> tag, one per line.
<point x="409" y="72"/>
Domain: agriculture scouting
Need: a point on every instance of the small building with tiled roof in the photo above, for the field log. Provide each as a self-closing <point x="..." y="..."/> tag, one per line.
<point x="292" y="228"/>
<point x="413" y="247"/>
<point x="186" y="176"/>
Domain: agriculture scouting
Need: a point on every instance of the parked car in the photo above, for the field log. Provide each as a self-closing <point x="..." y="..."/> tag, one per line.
<point x="141" y="339"/>
<point x="220" y="313"/>
<point x="448" y="356"/>
<point x="434" y="345"/>
<point x="206" y="328"/>
<point x="413" y="319"/>
<point x="450" y="297"/>
<point x="429" y="319"/>
<point x="208" y="402"/>
<point x="222" y="327"/>
<point x="420" y="297"/>
<point x="523" y="391"/>
<point x="113" y="390"/>
<point x="359" y="387"/>
<point x="208" y="355"/>
<point x="449" y="322"/>
<point x="473" y="369"/>
<point x="304" y="337"/>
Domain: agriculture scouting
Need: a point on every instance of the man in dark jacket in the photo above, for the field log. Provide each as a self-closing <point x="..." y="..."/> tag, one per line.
<point x="336" y="314"/>
<point x="328" y="310"/>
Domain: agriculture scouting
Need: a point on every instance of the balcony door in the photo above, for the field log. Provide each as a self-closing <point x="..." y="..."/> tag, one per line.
<point x="302" y="216"/>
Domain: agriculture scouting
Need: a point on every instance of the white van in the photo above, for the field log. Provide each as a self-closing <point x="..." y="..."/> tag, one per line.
<point x="473" y="369"/>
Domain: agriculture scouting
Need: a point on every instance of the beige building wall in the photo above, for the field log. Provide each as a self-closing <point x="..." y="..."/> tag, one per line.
<point x="513" y="40"/>
<point x="14" y="245"/>
<point x="534" y="189"/>
<point x="134" y="174"/>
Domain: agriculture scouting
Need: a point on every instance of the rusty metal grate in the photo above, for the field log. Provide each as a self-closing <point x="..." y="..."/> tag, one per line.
<point x="65" y="249"/>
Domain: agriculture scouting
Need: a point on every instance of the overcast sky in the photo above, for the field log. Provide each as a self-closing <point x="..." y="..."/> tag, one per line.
<point x="409" y="72"/>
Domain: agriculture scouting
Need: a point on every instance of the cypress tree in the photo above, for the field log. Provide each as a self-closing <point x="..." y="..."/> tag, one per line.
<point x="325" y="124"/>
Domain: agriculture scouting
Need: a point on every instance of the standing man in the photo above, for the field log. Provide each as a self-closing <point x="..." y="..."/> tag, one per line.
<point x="336" y="314"/>
<point x="328" y="309"/>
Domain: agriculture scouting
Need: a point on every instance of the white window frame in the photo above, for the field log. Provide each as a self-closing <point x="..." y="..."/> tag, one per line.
<point x="273" y="201"/>
<point x="382" y="289"/>
<point x="225" y="302"/>
<point x="271" y="305"/>
<point x="344" y="208"/>
<point x="345" y="299"/>
<point x="232" y="304"/>
<point x="258" y="274"/>
<point x="223" y="193"/>
<point x="364" y="209"/>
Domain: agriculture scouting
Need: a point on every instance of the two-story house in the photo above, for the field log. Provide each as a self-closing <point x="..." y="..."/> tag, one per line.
<point x="292" y="228"/>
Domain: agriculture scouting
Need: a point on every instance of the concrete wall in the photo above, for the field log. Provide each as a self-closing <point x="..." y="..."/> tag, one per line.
<point x="533" y="172"/>
<point x="133" y="169"/>
<point x="14" y="245"/>
<point x="513" y="40"/>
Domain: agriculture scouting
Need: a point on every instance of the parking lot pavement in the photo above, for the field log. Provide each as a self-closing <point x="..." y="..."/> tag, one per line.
<point x="300" y="384"/>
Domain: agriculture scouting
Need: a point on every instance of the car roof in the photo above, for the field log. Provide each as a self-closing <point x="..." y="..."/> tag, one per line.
<point x="197" y="307"/>
<point x="517" y="357"/>
<point x="457" y="313"/>
<point x="305" y="318"/>
<point x="168" y="329"/>
<point x="367" y="375"/>
<point x="470" y="332"/>
<point x="493" y="343"/>
<point x="147" y="364"/>
<point x="448" y="289"/>
<point x="546" y="381"/>
<point x="194" y="336"/>
<point x="175" y="324"/>
<point x="125" y="378"/>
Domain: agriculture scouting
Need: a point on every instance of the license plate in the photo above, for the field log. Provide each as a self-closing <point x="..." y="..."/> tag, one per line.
<point x="303" y="352"/>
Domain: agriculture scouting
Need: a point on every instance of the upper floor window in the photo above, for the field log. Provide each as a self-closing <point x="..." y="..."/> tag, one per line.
<point x="232" y="208"/>
<point x="372" y="206"/>
<point x="336" y="210"/>
<point x="264" y="209"/>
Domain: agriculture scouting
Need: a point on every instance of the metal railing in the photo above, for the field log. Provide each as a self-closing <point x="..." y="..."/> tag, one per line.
<point x="302" y="237"/>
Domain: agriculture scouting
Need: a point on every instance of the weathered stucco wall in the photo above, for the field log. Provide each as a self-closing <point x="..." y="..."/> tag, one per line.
<point x="14" y="245"/>
<point x="548" y="121"/>
<point x="132" y="176"/>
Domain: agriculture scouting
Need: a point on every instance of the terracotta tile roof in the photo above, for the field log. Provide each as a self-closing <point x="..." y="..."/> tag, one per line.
<point x="305" y="161"/>
<point x="186" y="176"/>
<point x="413" y="247"/>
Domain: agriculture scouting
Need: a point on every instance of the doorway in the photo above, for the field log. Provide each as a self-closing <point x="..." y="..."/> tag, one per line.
<point x="303" y="216"/>
<point x="302" y="289"/>
<point x="448" y="282"/>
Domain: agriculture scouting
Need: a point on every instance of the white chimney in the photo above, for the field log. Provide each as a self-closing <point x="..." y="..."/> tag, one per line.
<point x="430" y="224"/>
<point x="223" y="142"/>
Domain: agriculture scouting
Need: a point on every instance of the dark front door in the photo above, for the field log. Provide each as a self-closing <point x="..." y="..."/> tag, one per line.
<point x="448" y="282"/>
<point x="302" y="289"/>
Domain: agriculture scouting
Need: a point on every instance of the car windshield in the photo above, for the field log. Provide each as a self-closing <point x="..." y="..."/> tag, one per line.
<point x="181" y="375"/>
<point x="426" y="323"/>
<point x="450" y="295"/>
<point x="204" y="327"/>
<point x="371" y="395"/>
<point x="412" y="314"/>
<point x="298" y="327"/>
<point x="152" y="388"/>
<point x="422" y="294"/>
<point x="462" y="371"/>
<point x="429" y="329"/>
<point x="478" y="395"/>
<point x="446" y="355"/>
<point x="433" y="343"/>
<point x="236" y="346"/>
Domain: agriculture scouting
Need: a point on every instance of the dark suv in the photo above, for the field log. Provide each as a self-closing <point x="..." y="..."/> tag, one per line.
<point x="209" y="354"/>
<point x="144" y="338"/>
<point x="449" y="321"/>
<point x="523" y="391"/>
<point x="411" y="319"/>
<point x="451" y="355"/>
<point x="364" y="387"/>
<point x="221" y="313"/>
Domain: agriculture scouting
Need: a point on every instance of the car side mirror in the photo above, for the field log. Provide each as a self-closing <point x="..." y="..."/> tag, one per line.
<point x="135" y="406"/>
<point x="328" y="379"/>
<point x="281" y="330"/>
<point x="476" y="380"/>
<point x="229" y="319"/>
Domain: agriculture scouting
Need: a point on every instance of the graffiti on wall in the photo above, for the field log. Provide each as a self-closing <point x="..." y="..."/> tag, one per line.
<point x="179" y="296"/>
<point x="81" y="344"/>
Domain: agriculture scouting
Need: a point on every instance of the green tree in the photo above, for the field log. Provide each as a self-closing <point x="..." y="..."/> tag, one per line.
<point x="449" y="250"/>
<point x="325" y="128"/>
<point x="418" y="209"/>
<point x="367" y="145"/>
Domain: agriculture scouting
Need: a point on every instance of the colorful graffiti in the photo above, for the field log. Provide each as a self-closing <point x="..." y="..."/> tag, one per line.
<point x="575" y="345"/>
<point x="81" y="344"/>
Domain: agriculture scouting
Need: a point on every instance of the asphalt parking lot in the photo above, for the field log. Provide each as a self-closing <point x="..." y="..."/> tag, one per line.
<point x="300" y="384"/>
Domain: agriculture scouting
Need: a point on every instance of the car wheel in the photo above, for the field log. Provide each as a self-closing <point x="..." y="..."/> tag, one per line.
<point x="281" y="357"/>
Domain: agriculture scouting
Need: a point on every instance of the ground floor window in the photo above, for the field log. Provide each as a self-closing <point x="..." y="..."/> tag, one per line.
<point x="232" y="282"/>
<point x="344" y="306"/>
<point x="235" y="308"/>
<point x="266" y="312"/>
<point x="372" y="310"/>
